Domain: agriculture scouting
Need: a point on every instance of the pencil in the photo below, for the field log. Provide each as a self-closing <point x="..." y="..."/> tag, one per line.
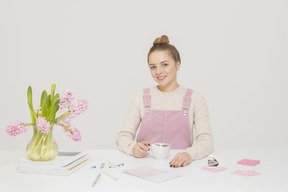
<point x="108" y="174"/>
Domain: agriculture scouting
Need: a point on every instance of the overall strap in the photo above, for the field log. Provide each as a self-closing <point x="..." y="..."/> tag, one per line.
<point x="146" y="97"/>
<point x="187" y="100"/>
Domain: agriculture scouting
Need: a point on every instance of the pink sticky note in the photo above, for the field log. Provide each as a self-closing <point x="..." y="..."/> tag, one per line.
<point x="214" y="169"/>
<point x="249" y="162"/>
<point x="246" y="172"/>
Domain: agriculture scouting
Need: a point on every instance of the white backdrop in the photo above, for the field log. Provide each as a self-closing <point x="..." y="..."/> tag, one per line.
<point x="233" y="52"/>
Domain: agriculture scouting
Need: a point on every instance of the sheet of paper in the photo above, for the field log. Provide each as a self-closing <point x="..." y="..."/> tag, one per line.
<point x="249" y="162"/>
<point x="245" y="172"/>
<point x="152" y="174"/>
<point x="214" y="169"/>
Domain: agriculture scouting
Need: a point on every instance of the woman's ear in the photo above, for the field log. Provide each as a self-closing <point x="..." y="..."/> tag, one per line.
<point x="178" y="64"/>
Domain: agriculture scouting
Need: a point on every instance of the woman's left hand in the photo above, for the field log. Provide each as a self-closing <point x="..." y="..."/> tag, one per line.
<point x="181" y="160"/>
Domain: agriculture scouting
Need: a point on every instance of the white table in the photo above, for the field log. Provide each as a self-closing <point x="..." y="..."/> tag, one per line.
<point x="273" y="167"/>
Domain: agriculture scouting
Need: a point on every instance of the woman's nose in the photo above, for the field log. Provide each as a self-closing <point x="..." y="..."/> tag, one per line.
<point x="158" y="70"/>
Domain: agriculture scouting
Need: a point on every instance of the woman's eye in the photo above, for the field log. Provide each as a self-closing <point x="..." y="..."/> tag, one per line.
<point x="165" y="65"/>
<point x="152" y="67"/>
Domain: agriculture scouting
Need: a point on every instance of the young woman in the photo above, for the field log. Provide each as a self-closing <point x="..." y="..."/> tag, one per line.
<point x="167" y="113"/>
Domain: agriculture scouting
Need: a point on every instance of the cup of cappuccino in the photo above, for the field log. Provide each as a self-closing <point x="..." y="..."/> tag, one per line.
<point x="160" y="150"/>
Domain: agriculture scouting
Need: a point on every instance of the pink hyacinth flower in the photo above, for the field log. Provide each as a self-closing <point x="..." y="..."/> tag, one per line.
<point x="16" y="128"/>
<point x="42" y="124"/>
<point x="80" y="106"/>
<point x="66" y="99"/>
<point x="76" y="135"/>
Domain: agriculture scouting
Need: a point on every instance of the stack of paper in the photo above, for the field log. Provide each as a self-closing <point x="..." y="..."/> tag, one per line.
<point x="65" y="163"/>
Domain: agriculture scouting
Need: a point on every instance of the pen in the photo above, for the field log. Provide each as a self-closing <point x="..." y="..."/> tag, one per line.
<point x="97" y="178"/>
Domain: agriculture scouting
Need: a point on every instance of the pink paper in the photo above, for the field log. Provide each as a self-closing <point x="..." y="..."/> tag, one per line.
<point x="214" y="169"/>
<point x="248" y="162"/>
<point x="246" y="172"/>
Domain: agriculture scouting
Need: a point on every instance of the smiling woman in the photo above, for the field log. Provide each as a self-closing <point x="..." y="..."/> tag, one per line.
<point x="164" y="61"/>
<point x="167" y="113"/>
<point x="164" y="69"/>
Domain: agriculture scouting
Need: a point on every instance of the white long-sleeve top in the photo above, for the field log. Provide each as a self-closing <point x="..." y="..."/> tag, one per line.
<point x="198" y="118"/>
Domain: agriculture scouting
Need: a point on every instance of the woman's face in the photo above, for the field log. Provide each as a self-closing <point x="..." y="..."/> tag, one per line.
<point x="164" y="69"/>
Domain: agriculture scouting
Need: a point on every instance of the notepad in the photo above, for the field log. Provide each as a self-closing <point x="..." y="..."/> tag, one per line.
<point x="65" y="163"/>
<point x="152" y="174"/>
<point x="64" y="158"/>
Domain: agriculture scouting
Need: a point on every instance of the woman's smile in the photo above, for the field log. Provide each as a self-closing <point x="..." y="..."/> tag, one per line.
<point x="160" y="78"/>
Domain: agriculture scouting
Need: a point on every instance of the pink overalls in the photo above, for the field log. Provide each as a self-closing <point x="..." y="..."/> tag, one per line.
<point x="171" y="126"/>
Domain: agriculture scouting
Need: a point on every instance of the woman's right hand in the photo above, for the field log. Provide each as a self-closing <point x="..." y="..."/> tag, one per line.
<point x="141" y="149"/>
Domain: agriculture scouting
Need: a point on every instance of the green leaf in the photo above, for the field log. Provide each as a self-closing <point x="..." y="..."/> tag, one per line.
<point x="33" y="114"/>
<point x="54" y="110"/>
<point x="54" y="106"/>
<point x="52" y="91"/>
<point x="47" y="110"/>
<point x="56" y="97"/>
<point x="29" y="97"/>
<point x="51" y="105"/>
<point x="43" y="102"/>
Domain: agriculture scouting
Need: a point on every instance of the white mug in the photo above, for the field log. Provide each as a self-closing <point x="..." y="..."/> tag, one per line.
<point x="160" y="150"/>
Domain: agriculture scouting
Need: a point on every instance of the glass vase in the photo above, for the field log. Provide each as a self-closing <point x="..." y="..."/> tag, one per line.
<point x="42" y="146"/>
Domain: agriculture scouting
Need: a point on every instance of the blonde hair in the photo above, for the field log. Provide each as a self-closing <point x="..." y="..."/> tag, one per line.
<point x="162" y="44"/>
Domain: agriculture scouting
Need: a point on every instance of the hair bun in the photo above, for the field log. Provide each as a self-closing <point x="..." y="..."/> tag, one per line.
<point x="161" y="40"/>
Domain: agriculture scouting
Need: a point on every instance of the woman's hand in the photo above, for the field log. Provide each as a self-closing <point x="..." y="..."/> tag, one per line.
<point x="141" y="149"/>
<point x="181" y="160"/>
